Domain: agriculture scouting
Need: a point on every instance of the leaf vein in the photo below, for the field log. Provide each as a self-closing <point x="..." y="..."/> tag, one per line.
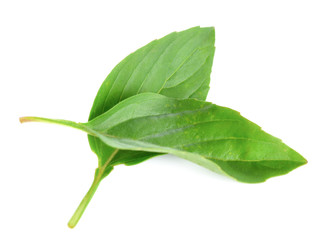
<point x="140" y="62"/>
<point x="154" y="64"/>
<point x="175" y="130"/>
<point x="225" y="139"/>
<point x="189" y="77"/>
<point x="161" y="115"/>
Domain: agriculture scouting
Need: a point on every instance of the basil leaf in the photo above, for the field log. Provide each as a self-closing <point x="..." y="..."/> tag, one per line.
<point x="212" y="136"/>
<point x="177" y="65"/>
<point x="215" y="137"/>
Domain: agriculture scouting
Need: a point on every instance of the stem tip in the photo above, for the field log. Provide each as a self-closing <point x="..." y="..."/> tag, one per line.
<point x="24" y="119"/>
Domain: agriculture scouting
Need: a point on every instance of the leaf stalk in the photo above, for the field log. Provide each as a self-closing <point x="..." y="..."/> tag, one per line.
<point x="99" y="175"/>
<point x="85" y="201"/>
<point x="68" y="123"/>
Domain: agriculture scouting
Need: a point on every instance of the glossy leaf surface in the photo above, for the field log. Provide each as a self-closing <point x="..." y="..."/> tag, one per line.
<point x="177" y="65"/>
<point x="215" y="137"/>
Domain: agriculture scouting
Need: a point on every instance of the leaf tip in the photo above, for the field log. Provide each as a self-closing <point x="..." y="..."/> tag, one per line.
<point x="304" y="161"/>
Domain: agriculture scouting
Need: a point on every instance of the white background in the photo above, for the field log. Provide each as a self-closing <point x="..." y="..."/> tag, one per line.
<point x="271" y="64"/>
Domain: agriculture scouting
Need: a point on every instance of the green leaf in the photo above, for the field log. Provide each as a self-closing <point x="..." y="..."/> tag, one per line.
<point x="212" y="136"/>
<point x="177" y="65"/>
<point x="215" y="137"/>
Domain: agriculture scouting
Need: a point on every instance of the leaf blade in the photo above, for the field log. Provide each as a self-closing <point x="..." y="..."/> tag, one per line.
<point x="157" y="67"/>
<point x="215" y="137"/>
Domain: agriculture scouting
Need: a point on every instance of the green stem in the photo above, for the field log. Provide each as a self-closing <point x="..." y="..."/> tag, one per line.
<point x="85" y="201"/>
<point x="68" y="123"/>
<point x="99" y="175"/>
<point x="101" y="172"/>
